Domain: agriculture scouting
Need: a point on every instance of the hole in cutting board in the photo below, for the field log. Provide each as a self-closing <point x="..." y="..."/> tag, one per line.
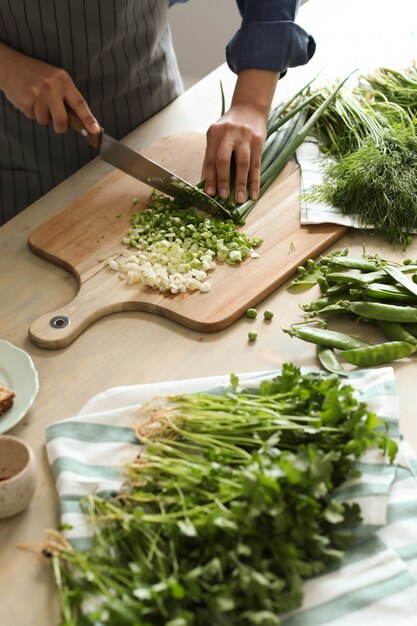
<point x="59" y="321"/>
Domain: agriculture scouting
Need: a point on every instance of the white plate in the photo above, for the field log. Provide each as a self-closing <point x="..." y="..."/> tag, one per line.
<point x="17" y="373"/>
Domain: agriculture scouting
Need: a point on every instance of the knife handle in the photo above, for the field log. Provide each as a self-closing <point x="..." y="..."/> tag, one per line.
<point x="76" y="124"/>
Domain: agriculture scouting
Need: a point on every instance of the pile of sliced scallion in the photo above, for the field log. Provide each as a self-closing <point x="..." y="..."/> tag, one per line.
<point x="175" y="246"/>
<point x="229" y="507"/>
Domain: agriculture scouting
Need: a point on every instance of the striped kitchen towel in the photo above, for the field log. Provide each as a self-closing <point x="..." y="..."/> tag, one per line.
<point x="376" y="583"/>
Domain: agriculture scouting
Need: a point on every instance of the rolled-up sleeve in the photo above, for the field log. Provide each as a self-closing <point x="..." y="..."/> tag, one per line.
<point x="269" y="38"/>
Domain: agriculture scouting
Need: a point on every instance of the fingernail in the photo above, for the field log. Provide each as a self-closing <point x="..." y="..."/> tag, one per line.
<point x="95" y="128"/>
<point x="254" y="194"/>
<point x="224" y="193"/>
<point x="210" y="190"/>
<point x="241" y="197"/>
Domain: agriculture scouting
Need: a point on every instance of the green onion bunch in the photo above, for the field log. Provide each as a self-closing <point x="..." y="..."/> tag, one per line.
<point x="289" y="124"/>
<point x="394" y="86"/>
<point x="229" y="507"/>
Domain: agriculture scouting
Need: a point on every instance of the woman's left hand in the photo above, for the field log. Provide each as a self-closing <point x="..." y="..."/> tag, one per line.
<point x="240" y="133"/>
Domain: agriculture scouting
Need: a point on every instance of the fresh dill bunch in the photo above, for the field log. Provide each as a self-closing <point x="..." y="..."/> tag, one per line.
<point x="376" y="184"/>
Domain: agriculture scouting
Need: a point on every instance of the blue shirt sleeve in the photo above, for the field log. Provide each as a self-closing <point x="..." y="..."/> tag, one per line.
<point x="268" y="38"/>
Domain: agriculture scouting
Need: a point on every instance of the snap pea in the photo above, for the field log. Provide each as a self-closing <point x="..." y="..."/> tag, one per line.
<point x="336" y="290"/>
<point x="356" y="263"/>
<point x="324" y="337"/>
<point x="404" y="269"/>
<point x="401" y="278"/>
<point x="407" y="268"/>
<point x="372" y="277"/>
<point x="323" y="303"/>
<point x="384" y="312"/>
<point x="371" y="289"/>
<point x="331" y="309"/>
<point x="379" y="353"/>
<point x="338" y="278"/>
<point x="335" y="278"/>
<point x="330" y="362"/>
<point x="397" y="332"/>
<point x="381" y="291"/>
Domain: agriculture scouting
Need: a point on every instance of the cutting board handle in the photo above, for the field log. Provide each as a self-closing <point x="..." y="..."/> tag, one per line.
<point x="104" y="293"/>
<point x="100" y="295"/>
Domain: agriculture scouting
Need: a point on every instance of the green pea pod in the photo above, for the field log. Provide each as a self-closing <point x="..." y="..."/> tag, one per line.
<point x="323" y="303"/>
<point x="340" y="281"/>
<point x="356" y="263"/>
<point x="336" y="278"/>
<point x="381" y="291"/>
<point x="397" y="332"/>
<point x="335" y="290"/>
<point x="384" y="312"/>
<point x="333" y="309"/>
<point x="318" y="304"/>
<point x="371" y="277"/>
<point x="324" y="337"/>
<point x="401" y="278"/>
<point x="379" y="353"/>
<point x="330" y="362"/>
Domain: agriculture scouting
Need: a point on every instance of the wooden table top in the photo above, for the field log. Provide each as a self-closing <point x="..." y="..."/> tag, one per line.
<point x="125" y="348"/>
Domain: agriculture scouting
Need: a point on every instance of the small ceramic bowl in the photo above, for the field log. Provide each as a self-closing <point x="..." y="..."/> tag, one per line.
<point x="17" y="475"/>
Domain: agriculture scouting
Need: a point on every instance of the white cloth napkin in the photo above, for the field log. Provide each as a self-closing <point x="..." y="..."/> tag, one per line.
<point x="311" y="163"/>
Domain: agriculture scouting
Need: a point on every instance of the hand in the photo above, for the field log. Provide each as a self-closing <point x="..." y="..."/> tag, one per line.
<point x="41" y="91"/>
<point x="240" y="133"/>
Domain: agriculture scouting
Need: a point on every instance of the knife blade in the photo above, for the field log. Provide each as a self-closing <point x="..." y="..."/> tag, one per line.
<point x="147" y="171"/>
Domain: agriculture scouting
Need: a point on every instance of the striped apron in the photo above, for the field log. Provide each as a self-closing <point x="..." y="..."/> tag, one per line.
<point x="120" y="56"/>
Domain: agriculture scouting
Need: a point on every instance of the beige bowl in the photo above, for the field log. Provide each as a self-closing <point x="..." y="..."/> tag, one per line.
<point x="17" y="475"/>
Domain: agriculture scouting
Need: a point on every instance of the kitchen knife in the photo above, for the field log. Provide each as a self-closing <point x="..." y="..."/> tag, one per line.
<point x="147" y="171"/>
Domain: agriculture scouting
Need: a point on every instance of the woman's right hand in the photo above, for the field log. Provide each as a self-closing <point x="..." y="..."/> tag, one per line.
<point x="42" y="92"/>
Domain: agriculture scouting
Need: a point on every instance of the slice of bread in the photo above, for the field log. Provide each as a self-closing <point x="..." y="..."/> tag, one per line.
<point x="6" y="399"/>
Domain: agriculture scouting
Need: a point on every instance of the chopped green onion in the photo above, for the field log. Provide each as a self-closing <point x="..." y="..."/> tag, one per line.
<point x="175" y="249"/>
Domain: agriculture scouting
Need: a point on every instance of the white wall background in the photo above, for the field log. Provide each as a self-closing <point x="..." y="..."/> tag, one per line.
<point x="201" y="30"/>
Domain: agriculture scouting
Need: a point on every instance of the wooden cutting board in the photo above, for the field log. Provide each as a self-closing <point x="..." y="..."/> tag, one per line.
<point x="88" y="231"/>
